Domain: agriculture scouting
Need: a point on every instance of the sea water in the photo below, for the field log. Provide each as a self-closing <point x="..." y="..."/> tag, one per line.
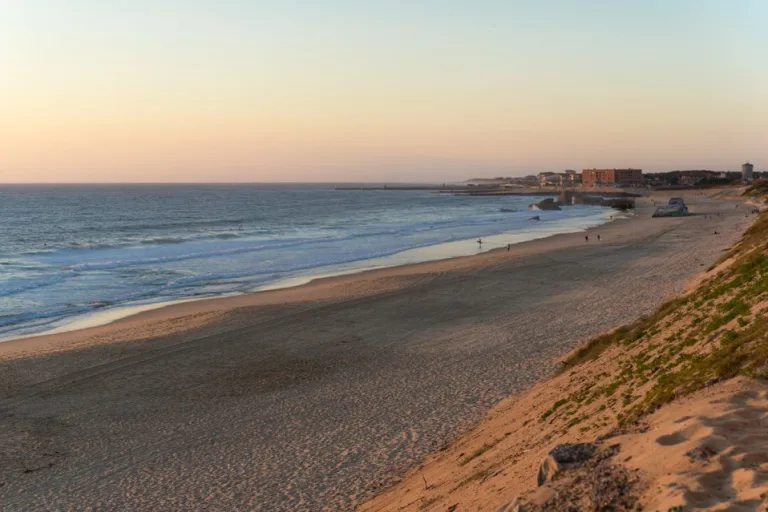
<point x="70" y="251"/>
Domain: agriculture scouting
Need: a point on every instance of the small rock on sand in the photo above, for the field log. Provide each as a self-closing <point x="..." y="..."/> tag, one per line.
<point x="564" y="456"/>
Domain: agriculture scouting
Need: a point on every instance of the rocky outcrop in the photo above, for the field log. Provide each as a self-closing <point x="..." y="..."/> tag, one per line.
<point x="593" y="482"/>
<point x="564" y="456"/>
<point x="546" y="204"/>
<point x="514" y="506"/>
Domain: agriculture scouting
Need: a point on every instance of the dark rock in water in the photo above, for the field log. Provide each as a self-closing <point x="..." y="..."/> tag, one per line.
<point x="619" y="203"/>
<point x="546" y="204"/>
<point x="564" y="456"/>
<point x="535" y="217"/>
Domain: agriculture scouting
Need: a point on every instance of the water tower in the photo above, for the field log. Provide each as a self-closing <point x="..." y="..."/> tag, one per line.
<point x="746" y="172"/>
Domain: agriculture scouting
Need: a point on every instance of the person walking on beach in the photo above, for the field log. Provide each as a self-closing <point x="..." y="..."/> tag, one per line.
<point x="586" y="238"/>
<point x="509" y="246"/>
<point x="479" y="242"/>
<point x="598" y="238"/>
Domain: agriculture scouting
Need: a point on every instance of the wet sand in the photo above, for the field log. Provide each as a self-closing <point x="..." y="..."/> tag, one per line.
<point x="314" y="397"/>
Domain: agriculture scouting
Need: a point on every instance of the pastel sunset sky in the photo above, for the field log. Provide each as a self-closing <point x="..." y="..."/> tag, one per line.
<point x="355" y="90"/>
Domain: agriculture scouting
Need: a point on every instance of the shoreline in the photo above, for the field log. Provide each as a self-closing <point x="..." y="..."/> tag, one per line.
<point x="110" y="316"/>
<point x="321" y="396"/>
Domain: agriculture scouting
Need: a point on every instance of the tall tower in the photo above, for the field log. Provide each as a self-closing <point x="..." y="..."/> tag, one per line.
<point x="746" y="172"/>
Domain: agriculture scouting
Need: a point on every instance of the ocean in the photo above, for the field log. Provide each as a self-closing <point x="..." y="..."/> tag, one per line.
<point x="69" y="252"/>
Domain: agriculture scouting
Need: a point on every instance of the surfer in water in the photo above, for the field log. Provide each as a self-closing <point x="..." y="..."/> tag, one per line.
<point x="479" y="242"/>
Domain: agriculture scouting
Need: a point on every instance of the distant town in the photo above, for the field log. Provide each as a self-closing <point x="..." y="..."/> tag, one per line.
<point x="625" y="178"/>
<point x="606" y="182"/>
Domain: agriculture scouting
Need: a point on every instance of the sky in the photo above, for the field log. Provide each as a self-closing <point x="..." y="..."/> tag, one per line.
<point x="387" y="91"/>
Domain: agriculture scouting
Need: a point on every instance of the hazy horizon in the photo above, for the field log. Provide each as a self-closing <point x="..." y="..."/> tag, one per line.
<point x="435" y="181"/>
<point x="296" y="91"/>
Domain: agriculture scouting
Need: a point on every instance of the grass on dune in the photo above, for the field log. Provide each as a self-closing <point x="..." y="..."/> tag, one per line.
<point x="717" y="332"/>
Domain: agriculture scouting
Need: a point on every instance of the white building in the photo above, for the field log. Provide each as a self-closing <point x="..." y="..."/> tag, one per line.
<point x="747" y="172"/>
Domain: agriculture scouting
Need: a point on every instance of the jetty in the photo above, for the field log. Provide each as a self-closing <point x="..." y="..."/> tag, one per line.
<point x="614" y="198"/>
<point x="395" y="188"/>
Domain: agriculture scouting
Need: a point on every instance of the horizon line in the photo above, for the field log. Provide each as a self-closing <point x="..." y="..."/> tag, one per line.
<point x="223" y="183"/>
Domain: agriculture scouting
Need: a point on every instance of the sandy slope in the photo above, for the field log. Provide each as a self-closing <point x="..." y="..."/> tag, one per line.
<point x="313" y="397"/>
<point x="706" y="451"/>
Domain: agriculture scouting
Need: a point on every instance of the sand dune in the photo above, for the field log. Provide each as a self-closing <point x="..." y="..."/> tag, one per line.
<point x="707" y="451"/>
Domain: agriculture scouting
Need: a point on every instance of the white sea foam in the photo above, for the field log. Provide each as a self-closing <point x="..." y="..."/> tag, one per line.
<point x="130" y="255"/>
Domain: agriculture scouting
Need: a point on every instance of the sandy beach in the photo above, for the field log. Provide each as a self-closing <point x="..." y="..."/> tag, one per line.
<point x="319" y="396"/>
